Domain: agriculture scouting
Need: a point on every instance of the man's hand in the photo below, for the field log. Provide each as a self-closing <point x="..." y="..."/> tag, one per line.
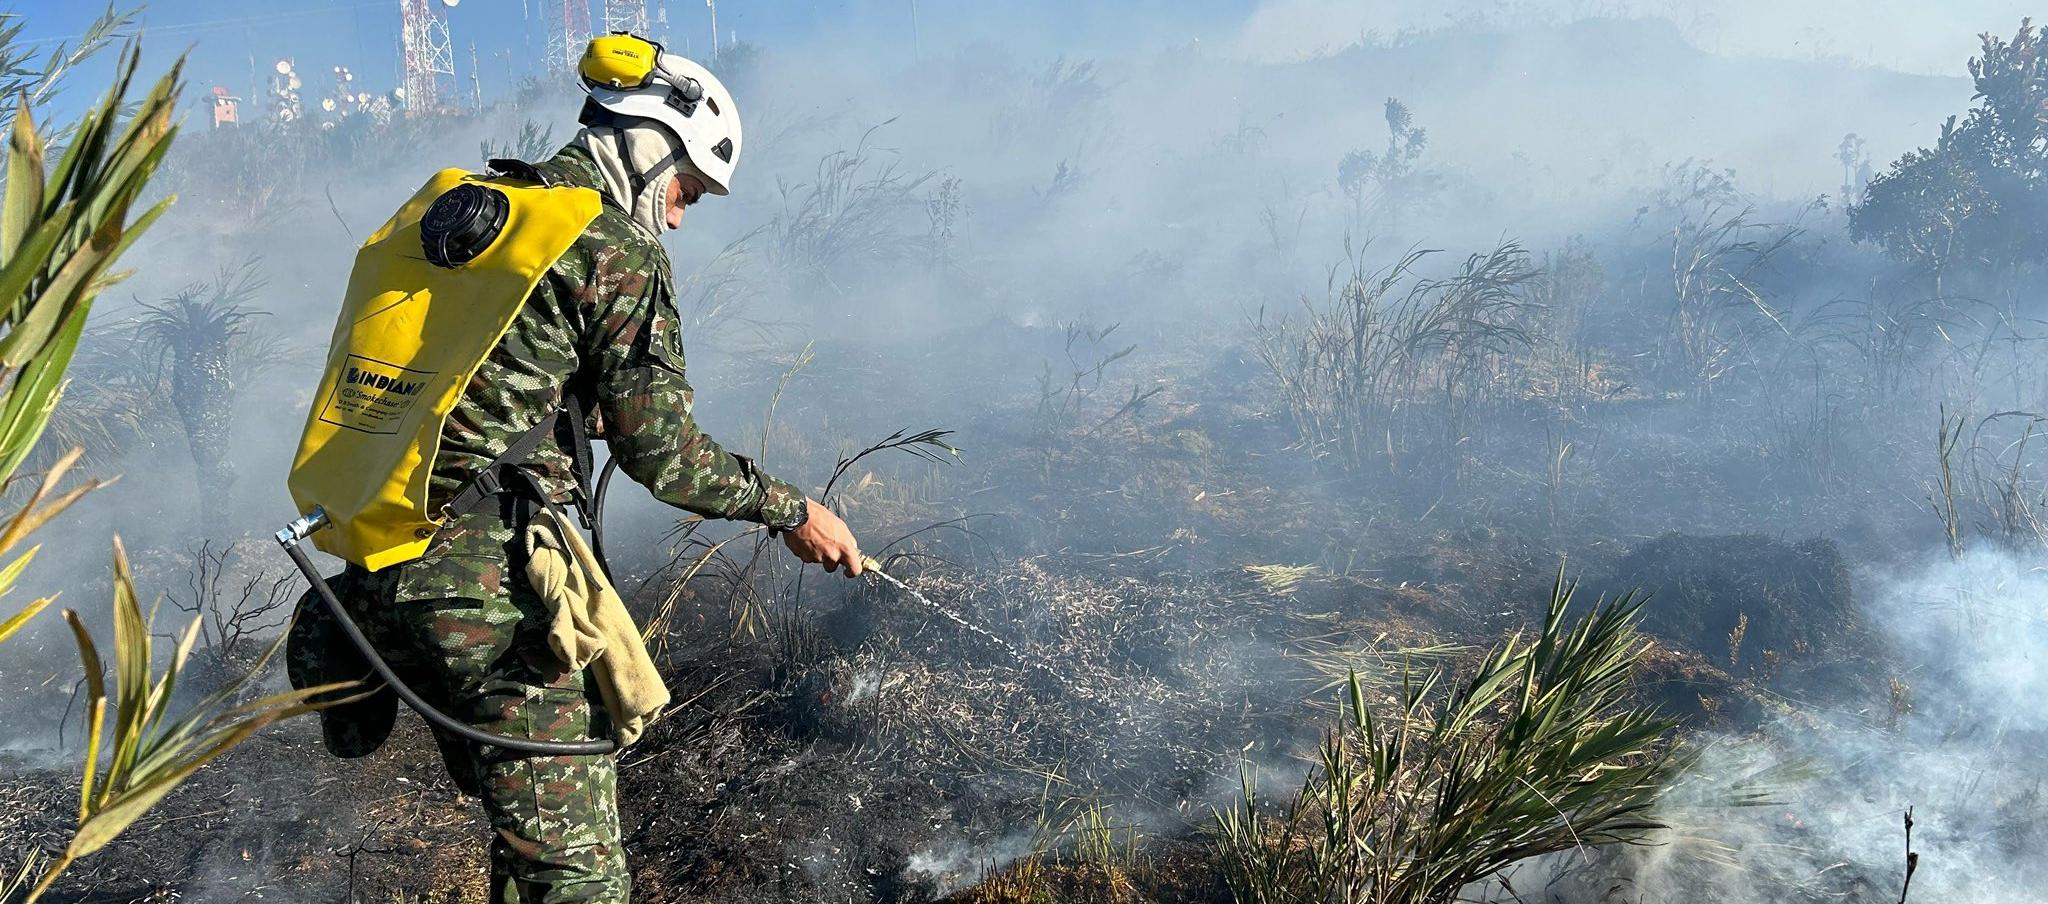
<point x="825" y="540"/>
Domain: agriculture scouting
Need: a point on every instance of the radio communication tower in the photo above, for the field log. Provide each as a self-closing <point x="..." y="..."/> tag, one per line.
<point x="476" y="81"/>
<point x="428" y="55"/>
<point x="626" y="15"/>
<point x="567" y="34"/>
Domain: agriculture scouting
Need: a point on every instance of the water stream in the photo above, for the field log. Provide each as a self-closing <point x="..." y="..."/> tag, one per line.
<point x="980" y="631"/>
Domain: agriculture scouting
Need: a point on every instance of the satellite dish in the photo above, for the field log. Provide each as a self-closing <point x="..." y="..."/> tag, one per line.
<point x="398" y="93"/>
<point x="327" y="103"/>
<point x="450" y="3"/>
<point x="284" y="67"/>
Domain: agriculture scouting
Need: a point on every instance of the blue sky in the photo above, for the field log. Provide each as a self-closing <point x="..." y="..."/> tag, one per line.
<point x="234" y="41"/>
<point x="229" y="38"/>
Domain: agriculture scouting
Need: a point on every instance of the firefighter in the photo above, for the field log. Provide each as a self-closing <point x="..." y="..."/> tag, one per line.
<point x="443" y="433"/>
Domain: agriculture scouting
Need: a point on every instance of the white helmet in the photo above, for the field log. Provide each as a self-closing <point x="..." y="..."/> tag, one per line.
<point x="626" y="75"/>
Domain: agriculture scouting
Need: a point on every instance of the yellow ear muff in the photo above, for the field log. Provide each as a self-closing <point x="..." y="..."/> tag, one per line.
<point x="618" y="61"/>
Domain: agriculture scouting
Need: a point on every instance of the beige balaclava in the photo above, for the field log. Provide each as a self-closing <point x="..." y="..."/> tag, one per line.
<point x="637" y="162"/>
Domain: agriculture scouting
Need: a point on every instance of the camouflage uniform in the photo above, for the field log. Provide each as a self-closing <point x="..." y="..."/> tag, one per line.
<point x="462" y="625"/>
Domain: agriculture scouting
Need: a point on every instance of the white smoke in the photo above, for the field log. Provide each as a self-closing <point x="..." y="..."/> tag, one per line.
<point x="1896" y="34"/>
<point x="1957" y="740"/>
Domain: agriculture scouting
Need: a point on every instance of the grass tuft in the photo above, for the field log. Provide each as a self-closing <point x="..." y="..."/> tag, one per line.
<point x="1536" y="751"/>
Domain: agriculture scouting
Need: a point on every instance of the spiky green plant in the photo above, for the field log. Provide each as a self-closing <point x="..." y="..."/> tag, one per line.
<point x="147" y="750"/>
<point x="61" y="229"/>
<point x="536" y="141"/>
<point x="60" y="234"/>
<point x="23" y="75"/>
<point x="1536" y="751"/>
<point x="197" y="333"/>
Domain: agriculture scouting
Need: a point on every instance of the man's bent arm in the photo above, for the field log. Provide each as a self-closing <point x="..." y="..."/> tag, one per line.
<point x="647" y="407"/>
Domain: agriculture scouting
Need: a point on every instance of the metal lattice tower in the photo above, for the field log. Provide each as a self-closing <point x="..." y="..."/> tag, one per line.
<point x="568" y="31"/>
<point x="427" y="54"/>
<point x="476" y="81"/>
<point x="625" y="15"/>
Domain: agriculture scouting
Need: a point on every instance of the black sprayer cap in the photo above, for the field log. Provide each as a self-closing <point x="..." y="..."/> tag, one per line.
<point x="460" y="224"/>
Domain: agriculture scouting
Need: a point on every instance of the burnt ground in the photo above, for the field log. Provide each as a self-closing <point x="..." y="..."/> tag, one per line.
<point x="894" y="768"/>
<point x="1183" y="592"/>
<point x="884" y="761"/>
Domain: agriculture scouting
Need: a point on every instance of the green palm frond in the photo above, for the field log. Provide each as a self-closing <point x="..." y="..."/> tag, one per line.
<point x="22" y="75"/>
<point x="1537" y="750"/>
<point x="137" y="749"/>
<point x="61" y="230"/>
<point x="204" y="315"/>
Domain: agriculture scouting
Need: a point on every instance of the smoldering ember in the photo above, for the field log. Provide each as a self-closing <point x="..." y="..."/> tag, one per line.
<point x="1267" y="451"/>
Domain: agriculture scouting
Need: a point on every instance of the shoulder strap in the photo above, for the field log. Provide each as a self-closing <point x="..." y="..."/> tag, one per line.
<point x="575" y="412"/>
<point x="491" y="482"/>
<point x="517" y="169"/>
<point x="506" y="474"/>
<point x="496" y="479"/>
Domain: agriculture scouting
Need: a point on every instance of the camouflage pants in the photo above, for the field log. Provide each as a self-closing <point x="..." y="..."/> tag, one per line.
<point x="462" y="626"/>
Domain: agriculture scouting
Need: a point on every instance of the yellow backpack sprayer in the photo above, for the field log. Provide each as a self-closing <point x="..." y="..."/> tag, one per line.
<point x="431" y="294"/>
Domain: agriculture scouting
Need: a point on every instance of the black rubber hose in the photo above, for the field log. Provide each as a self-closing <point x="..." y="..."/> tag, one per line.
<point x="294" y="548"/>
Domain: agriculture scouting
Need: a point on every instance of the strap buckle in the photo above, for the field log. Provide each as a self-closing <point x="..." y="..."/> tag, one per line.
<point x="487" y="482"/>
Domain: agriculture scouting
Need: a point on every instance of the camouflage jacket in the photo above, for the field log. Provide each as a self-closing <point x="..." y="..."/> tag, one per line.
<point x="603" y="318"/>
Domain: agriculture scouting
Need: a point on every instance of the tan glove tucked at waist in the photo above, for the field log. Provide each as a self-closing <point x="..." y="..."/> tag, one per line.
<point x="590" y="626"/>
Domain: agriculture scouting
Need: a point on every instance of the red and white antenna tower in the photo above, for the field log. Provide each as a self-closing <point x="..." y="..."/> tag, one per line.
<point x="626" y="15"/>
<point x="567" y="34"/>
<point x="428" y="55"/>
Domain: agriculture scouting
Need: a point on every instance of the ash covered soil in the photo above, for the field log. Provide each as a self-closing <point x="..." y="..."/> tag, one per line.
<point x="1179" y="604"/>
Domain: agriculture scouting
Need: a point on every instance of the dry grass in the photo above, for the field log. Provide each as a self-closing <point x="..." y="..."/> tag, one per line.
<point x="1146" y="672"/>
<point x="1081" y="853"/>
<point x="1718" y="264"/>
<point x="1394" y="362"/>
<point x="855" y="211"/>
<point x="1282" y="580"/>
